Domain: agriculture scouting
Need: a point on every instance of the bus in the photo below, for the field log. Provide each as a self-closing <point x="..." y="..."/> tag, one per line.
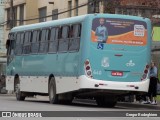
<point x="100" y="56"/>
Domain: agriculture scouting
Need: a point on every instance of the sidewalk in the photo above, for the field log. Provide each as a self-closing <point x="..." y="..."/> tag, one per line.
<point x="139" y="105"/>
<point x="123" y="104"/>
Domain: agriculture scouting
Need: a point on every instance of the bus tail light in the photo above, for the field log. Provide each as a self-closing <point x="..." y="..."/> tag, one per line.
<point x="145" y="73"/>
<point x="87" y="67"/>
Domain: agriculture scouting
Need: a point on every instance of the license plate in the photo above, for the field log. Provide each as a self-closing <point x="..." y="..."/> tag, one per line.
<point x="117" y="73"/>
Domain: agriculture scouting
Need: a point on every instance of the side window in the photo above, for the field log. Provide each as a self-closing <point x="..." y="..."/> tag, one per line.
<point x="19" y="43"/>
<point x="53" y="42"/>
<point x="11" y="44"/>
<point x="64" y="40"/>
<point x="75" y="34"/>
<point x="35" y="41"/>
<point x="44" y="41"/>
<point x="26" y="45"/>
<point x="59" y="33"/>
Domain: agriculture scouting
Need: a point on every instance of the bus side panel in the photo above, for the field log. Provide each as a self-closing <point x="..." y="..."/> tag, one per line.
<point x="34" y="84"/>
<point x="67" y="84"/>
<point x="85" y="44"/>
<point x="10" y="83"/>
<point x="67" y="64"/>
<point x="40" y="84"/>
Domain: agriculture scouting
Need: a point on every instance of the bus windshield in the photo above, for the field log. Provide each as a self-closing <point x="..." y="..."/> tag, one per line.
<point x="119" y="31"/>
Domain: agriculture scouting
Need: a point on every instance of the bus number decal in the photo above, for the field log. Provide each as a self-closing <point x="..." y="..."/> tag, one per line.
<point x="97" y="72"/>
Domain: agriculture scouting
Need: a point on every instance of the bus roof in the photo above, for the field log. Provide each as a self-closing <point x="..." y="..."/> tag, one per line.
<point x="49" y="23"/>
<point x="71" y="20"/>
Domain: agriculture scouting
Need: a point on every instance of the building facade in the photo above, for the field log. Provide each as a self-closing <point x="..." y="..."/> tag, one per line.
<point x="2" y="42"/>
<point x="143" y="8"/>
<point x="19" y="13"/>
<point x="2" y="19"/>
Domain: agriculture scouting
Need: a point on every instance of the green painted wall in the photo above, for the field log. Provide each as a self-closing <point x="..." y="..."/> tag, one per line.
<point x="156" y="33"/>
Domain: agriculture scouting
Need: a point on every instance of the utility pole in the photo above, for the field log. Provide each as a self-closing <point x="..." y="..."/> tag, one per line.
<point x="11" y="14"/>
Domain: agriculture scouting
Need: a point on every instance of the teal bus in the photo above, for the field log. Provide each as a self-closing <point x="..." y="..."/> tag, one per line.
<point x="100" y="56"/>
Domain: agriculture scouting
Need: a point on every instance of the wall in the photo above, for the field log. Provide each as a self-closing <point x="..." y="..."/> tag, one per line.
<point x="2" y="42"/>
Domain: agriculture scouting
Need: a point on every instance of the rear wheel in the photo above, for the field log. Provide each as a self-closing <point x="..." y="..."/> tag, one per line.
<point x="53" y="97"/>
<point x="106" y="101"/>
<point x="20" y="96"/>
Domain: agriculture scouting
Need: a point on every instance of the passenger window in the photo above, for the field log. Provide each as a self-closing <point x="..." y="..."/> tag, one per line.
<point x="27" y="39"/>
<point x="18" y="39"/>
<point x="53" y="42"/>
<point x="44" y="41"/>
<point x="48" y="36"/>
<point x="19" y="43"/>
<point x="64" y="40"/>
<point x="10" y="48"/>
<point x="35" y="42"/>
<point x="60" y="33"/>
<point x="11" y="44"/>
<point x="75" y="34"/>
<point x="43" y="37"/>
<point x="22" y="38"/>
<point x="34" y="39"/>
<point x="65" y="32"/>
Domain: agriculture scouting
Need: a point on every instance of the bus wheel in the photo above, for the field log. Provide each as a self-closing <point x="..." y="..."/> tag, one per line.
<point x="19" y="95"/>
<point x="106" y="101"/>
<point x="53" y="97"/>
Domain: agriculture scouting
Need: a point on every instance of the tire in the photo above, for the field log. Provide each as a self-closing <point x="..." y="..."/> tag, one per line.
<point x="19" y="95"/>
<point x="106" y="101"/>
<point x="53" y="97"/>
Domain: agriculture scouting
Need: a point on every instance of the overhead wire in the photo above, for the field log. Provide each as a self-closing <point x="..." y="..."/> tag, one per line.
<point x="59" y="13"/>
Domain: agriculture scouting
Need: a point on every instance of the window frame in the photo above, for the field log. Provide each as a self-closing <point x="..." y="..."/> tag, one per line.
<point x="46" y="40"/>
<point x="28" y="43"/>
<point x="35" y="42"/>
<point x="79" y="37"/>
<point x="11" y="44"/>
<point x="64" y="39"/>
<point x="49" y="40"/>
<point x="56" y="37"/>
<point x="20" y="42"/>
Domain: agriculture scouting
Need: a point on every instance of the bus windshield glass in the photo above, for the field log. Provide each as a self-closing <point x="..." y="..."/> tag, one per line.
<point x="119" y="31"/>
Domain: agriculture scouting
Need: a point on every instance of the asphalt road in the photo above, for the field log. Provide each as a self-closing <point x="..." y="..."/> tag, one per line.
<point x="40" y="103"/>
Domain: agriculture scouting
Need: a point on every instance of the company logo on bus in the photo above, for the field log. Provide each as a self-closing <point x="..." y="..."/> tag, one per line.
<point x="105" y="62"/>
<point x="116" y="73"/>
<point x="130" y="64"/>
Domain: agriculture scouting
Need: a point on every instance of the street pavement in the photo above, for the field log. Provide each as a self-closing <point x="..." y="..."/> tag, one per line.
<point x="41" y="103"/>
